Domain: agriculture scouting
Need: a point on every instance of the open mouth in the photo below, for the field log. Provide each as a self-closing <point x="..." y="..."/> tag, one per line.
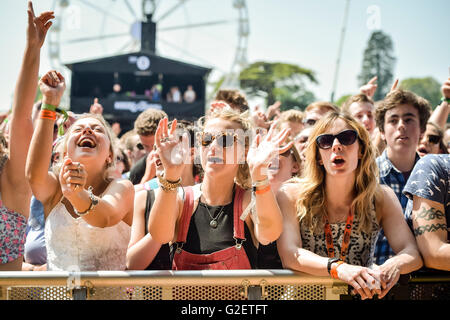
<point x="87" y="143"/>
<point x="338" y="161"/>
<point x="158" y="162"/>
<point x="422" y="150"/>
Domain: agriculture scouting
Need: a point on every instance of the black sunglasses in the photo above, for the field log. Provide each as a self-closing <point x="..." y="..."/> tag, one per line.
<point x="310" y="122"/>
<point x="433" y="138"/>
<point x="140" y="146"/>
<point x="224" y="139"/>
<point x="346" y="138"/>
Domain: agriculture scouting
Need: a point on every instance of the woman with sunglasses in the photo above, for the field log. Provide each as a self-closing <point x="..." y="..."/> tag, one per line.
<point x="332" y="216"/>
<point x="432" y="141"/>
<point x="214" y="229"/>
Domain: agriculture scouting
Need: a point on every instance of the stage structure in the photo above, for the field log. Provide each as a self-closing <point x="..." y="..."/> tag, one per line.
<point x="130" y="83"/>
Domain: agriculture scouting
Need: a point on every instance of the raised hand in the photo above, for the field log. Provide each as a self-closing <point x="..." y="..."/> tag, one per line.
<point x="445" y="89"/>
<point x="259" y="119"/>
<point x="96" y="107"/>
<point x="72" y="177"/>
<point x="263" y="150"/>
<point x="394" y="86"/>
<point x="37" y="26"/>
<point x="52" y="86"/>
<point x="273" y="110"/>
<point x="370" y="87"/>
<point x="172" y="152"/>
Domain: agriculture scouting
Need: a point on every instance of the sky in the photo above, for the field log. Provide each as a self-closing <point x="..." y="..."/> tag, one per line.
<point x="301" y="32"/>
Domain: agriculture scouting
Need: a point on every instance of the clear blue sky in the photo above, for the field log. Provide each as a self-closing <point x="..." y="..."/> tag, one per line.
<point x="301" y="32"/>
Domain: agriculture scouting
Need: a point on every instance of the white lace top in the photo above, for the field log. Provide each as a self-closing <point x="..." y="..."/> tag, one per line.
<point x="72" y="244"/>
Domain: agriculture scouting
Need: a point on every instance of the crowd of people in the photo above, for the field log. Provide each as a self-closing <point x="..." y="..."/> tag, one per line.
<point x="359" y="192"/>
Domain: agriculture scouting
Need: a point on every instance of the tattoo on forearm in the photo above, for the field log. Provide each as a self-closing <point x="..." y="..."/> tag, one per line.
<point x="429" y="228"/>
<point x="429" y="214"/>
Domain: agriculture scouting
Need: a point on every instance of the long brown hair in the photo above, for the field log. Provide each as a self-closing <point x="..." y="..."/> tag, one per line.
<point x="311" y="203"/>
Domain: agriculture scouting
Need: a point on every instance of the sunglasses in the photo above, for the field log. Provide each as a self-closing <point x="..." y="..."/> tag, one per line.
<point x="346" y="138"/>
<point x="310" y="122"/>
<point x="140" y="146"/>
<point x="224" y="139"/>
<point x="434" y="139"/>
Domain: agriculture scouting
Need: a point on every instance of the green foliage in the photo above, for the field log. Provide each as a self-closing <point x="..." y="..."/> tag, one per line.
<point x="378" y="61"/>
<point x="278" y="82"/>
<point x="342" y="99"/>
<point x="428" y="88"/>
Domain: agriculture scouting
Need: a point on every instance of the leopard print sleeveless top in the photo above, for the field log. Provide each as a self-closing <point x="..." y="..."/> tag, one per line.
<point x="361" y="248"/>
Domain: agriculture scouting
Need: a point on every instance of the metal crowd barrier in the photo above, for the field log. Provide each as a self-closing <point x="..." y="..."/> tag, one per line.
<point x="202" y="285"/>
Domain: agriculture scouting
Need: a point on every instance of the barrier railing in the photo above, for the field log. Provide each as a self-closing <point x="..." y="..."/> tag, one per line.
<point x="203" y="285"/>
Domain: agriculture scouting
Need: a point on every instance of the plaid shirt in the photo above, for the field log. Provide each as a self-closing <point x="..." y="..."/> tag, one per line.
<point x="392" y="177"/>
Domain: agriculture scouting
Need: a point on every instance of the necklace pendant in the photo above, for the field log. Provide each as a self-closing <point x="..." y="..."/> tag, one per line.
<point x="213" y="224"/>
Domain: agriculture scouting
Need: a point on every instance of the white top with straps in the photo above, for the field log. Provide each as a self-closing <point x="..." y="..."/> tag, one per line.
<point x="74" y="245"/>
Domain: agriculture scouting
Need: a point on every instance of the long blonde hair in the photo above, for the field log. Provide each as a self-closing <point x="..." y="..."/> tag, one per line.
<point x="227" y="113"/>
<point x="311" y="203"/>
<point x="61" y="146"/>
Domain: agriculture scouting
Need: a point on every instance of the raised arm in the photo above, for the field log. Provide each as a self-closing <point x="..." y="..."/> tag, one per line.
<point x="44" y="183"/>
<point x="440" y="114"/>
<point x="261" y="152"/>
<point x="167" y="207"/>
<point x="21" y="126"/>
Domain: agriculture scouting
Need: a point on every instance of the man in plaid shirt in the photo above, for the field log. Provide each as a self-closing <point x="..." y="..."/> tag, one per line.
<point x="401" y="118"/>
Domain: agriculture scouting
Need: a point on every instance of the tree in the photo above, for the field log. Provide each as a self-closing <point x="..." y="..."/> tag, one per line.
<point x="339" y="102"/>
<point x="428" y="88"/>
<point x="278" y="82"/>
<point x="378" y="61"/>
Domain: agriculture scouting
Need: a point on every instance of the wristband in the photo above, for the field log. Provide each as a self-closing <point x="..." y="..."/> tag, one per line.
<point x="47" y="114"/>
<point x="264" y="190"/>
<point x="330" y="262"/>
<point x="51" y="108"/>
<point x="333" y="271"/>
<point x="445" y="99"/>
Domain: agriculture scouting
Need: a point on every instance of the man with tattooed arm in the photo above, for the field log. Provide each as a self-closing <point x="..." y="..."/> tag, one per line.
<point x="428" y="190"/>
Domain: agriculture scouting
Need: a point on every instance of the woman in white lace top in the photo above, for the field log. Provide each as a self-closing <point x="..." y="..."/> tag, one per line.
<point x="88" y="214"/>
<point x="332" y="215"/>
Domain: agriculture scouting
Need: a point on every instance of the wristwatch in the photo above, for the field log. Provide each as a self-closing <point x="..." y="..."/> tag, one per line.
<point x="330" y="262"/>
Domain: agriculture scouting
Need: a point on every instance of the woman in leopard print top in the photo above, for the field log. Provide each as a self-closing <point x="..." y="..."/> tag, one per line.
<point x="339" y="198"/>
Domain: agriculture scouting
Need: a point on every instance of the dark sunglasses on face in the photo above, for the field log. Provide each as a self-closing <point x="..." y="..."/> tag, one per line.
<point x="433" y="138"/>
<point x="224" y="139"/>
<point x="346" y="138"/>
<point x="310" y="122"/>
<point x="140" y="146"/>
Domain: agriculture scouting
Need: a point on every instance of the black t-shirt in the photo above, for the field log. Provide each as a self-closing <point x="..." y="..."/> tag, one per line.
<point x="162" y="259"/>
<point x="215" y="239"/>
<point x="138" y="170"/>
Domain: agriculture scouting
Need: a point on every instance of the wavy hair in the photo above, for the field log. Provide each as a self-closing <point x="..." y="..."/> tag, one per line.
<point x="311" y="203"/>
<point x="61" y="146"/>
<point x="227" y="113"/>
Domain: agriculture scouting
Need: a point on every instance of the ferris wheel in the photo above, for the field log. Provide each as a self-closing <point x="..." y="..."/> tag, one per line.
<point x="210" y="33"/>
